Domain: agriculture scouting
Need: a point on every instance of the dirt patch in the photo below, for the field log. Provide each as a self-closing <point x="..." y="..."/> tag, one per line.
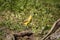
<point x="25" y="35"/>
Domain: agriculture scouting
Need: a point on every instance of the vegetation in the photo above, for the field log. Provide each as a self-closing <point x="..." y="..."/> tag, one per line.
<point x="43" y="14"/>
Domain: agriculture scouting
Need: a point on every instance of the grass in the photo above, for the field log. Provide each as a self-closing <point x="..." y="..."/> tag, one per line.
<point x="45" y="13"/>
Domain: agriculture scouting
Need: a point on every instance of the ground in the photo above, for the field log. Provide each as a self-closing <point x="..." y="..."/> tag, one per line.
<point x="34" y="15"/>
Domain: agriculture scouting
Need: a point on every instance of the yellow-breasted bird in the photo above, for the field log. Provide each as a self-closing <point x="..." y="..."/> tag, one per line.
<point x="27" y="20"/>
